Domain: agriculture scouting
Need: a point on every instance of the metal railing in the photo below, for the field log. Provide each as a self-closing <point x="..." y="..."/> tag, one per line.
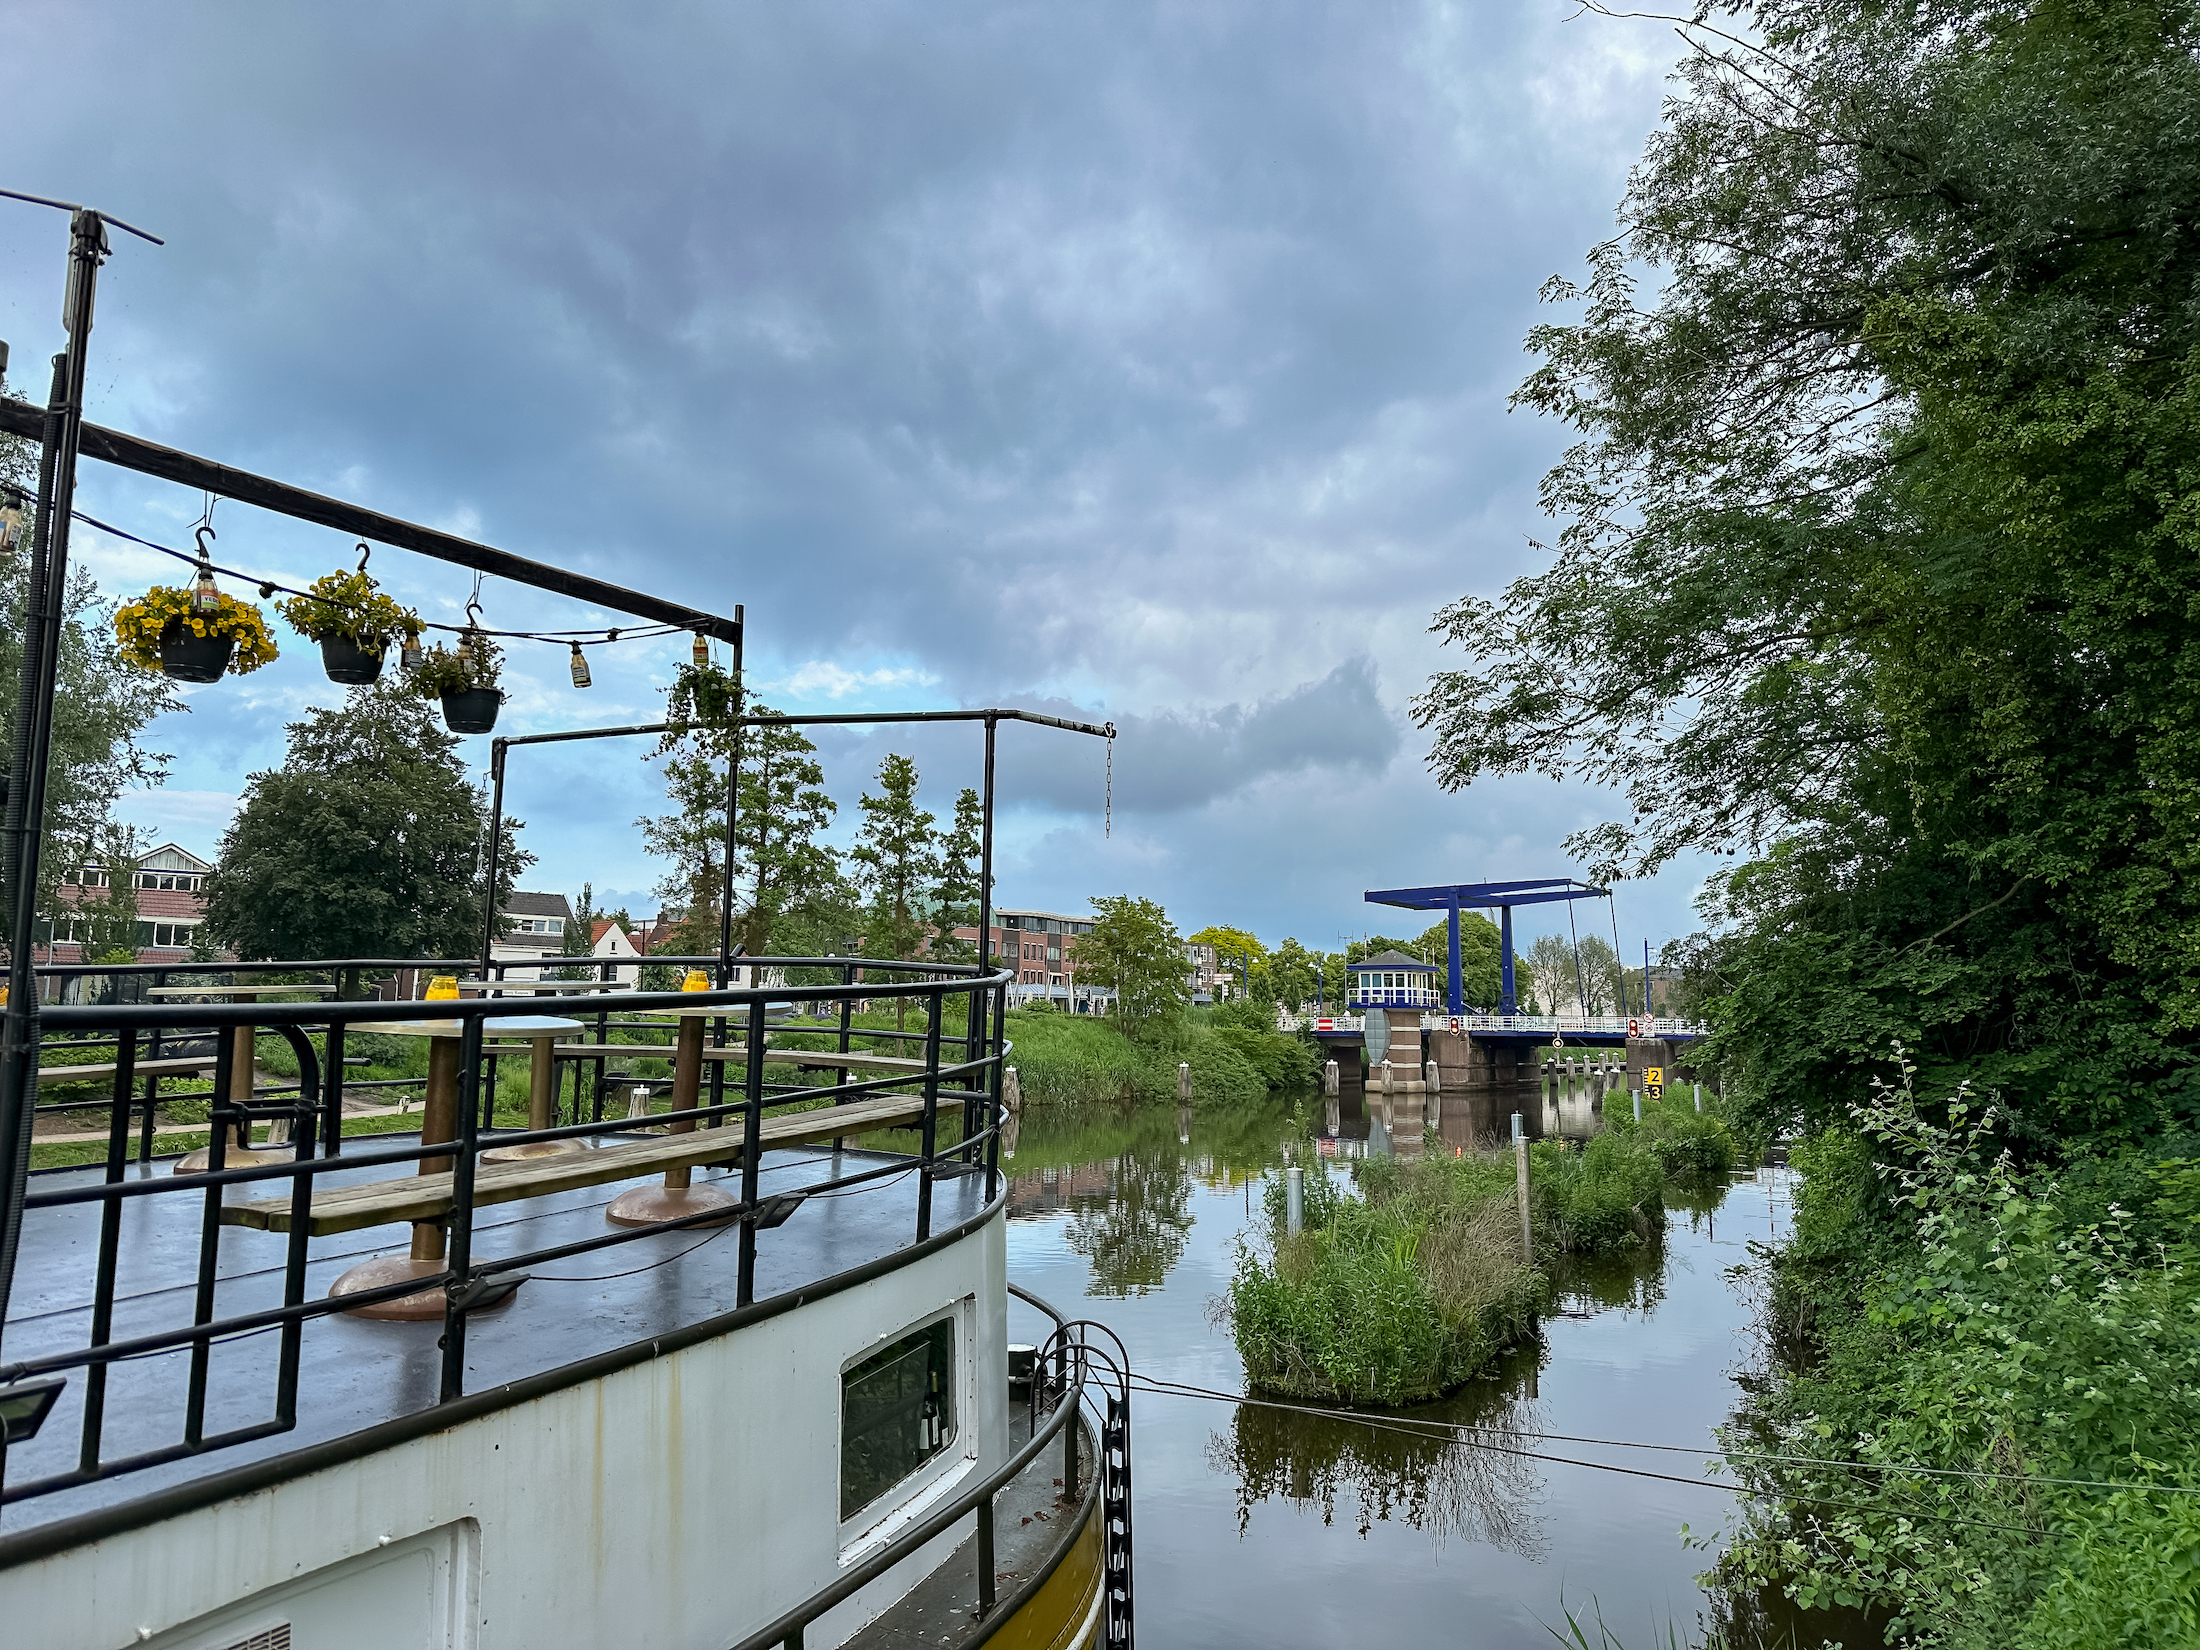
<point x="970" y="1084"/>
<point x="1070" y="1371"/>
<point x="1550" y="1025"/>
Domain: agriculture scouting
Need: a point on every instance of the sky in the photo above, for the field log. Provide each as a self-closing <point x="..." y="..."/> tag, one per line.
<point x="1132" y="362"/>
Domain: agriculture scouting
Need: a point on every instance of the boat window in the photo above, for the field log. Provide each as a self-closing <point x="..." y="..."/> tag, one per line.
<point x="897" y="1411"/>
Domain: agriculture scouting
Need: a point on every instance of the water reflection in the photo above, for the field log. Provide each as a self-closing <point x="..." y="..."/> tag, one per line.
<point x="1408" y="1467"/>
<point x="1356" y="1522"/>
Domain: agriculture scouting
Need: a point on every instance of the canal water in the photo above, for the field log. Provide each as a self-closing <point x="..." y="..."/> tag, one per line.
<point x="1269" y="1526"/>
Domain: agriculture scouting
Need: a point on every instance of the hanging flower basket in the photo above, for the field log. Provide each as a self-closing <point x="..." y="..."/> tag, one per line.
<point x="346" y="661"/>
<point x="167" y="629"/>
<point x="352" y="620"/>
<point x="471" y="710"/>
<point x="189" y="656"/>
<point x="464" y="677"/>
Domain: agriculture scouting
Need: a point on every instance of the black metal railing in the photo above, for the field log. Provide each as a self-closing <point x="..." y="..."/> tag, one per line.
<point x="1075" y="1368"/>
<point x="970" y="1084"/>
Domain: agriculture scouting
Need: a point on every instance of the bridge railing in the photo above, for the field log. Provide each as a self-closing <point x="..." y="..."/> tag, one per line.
<point x="1546" y="1025"/>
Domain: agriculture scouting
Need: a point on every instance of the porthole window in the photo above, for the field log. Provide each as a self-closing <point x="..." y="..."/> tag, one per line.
<point x="897" y="1411"/>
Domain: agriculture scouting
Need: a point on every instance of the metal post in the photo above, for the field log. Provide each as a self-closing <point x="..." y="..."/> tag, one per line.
<point x="459" y="1254"/>
<point x="1294" y="1199"/>
<point x="1636" y="1094"/>
<point x="987" y="1582"/>
<point x="496" y="841"/>
<point x="752" y="1127"/>
<point x="1520" y="1174"/>
<point x="1699" y="1097"/>
<point x="1505" y="957"/>
<point x="45" y="610"/>
<point x="733" y="786"/>
<point x="930" y="1135"/>
<point x="1455" y="987"/>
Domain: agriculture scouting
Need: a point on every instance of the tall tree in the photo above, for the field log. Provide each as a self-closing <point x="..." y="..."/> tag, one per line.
<point x="1880" y="544"/>
<point x="101" y="704"/>
<point x="896" y="859"/>
<point x="1134" y="950"/>
<point x="780" y="864"/>
<point x="365" y="843"/>
<point x="955" y="902"/>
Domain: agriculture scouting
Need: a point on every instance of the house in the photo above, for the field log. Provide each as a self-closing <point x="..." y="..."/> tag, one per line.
<point x="534" y="929"/>
<point x="610" y="940"/>
<point x="168" y="886"/>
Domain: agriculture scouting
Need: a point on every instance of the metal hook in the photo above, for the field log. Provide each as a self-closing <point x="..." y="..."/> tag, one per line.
<point x="473" y="612"/>
<point x="365" y="550"/>
<point x="204" y="531"/>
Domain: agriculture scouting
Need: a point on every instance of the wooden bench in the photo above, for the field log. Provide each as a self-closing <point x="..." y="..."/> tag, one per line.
<point x="428" y="1196"/>
<point x="143" y="1068"/>
<point x="884" y="1064"/>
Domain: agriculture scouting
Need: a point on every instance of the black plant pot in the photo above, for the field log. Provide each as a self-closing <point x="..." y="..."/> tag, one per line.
<point x="190" y="657"/>
<point x="471" y="710"/>
<point x="346" y="661"/>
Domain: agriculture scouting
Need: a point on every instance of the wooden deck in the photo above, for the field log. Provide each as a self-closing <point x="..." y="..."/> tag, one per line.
<point x="428" y="1196"/>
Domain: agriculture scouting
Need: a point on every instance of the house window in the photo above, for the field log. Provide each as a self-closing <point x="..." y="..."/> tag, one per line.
<point x="897" y="1411"/>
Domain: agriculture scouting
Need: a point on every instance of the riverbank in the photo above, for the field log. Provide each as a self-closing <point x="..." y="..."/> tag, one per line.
<point x="1071" y="1060"/>
<point x="1981" y="1416"/>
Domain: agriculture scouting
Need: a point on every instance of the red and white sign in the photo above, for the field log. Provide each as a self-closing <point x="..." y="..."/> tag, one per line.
<point x="1325" y="1025"/>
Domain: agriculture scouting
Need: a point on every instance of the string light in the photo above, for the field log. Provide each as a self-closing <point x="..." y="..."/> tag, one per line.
<point x="580" y="667"/>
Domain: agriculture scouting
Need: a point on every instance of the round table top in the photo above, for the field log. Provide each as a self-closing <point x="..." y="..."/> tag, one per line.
<point x="231" y="990"/>
<point x="543" y="988"/>
<point x="502" y="1025"/>
<point x="701" y="1011"/>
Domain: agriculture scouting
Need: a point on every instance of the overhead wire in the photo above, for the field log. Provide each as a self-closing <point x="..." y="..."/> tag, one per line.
<point x="1463" y="1435"/>
<point x="595" y="636"/>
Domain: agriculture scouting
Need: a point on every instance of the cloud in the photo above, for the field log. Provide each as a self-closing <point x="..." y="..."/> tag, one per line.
<point x="1146" y="358"/>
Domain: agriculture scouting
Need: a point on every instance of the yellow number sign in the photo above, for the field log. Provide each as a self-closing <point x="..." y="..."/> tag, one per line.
<point x="1653" y="1082"/>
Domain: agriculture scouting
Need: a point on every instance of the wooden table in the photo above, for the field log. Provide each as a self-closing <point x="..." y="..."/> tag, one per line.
<point x="438" y="1123"/>
<point x="646" y="1205"/>
<point x="242" y="1154"/>
<point x="539" y="988"/>
<point x="542" y="1090"/>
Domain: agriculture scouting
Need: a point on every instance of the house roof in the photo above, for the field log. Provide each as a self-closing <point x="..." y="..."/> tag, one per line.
<point x="524" y="904"/>
<point x="170" y="856"/>
<point x="1393" y="960"/>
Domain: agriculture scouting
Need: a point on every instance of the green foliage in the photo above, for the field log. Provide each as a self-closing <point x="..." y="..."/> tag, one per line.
<point x="1481" y="972"/>
<point x="1133" y="950"/>
<point x="101" y="705"/>
<point x="473" y="661"/>
<point x="781" y="867"/>
<point x="1392" y="1297"/>
<point x="1881" y="550"/>
<point x="1074" y="1059"/>
<point x="363" y="844"/>
<point x="1608" y="1194"/>
<point x="896" y="860"/>
<point x="1999" y="1340"/>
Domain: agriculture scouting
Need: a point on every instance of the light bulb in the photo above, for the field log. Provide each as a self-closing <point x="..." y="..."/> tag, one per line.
<point x="580" y="667"/>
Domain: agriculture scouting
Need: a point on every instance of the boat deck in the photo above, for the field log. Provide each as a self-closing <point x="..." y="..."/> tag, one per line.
<point x="1033" y="1524"/>
<point x="355" y="1374"/>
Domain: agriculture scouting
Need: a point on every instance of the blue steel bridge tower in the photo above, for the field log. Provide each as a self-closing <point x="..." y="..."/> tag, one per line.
<point x="1454" y="897"/>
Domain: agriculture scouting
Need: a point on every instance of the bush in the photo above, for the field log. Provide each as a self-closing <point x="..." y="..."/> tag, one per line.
<point x="1394" y="1297"/>
<point x="1069" y="1059"/>
<point x="2008" y="1335"/>
<point x="1609" y="1194"/>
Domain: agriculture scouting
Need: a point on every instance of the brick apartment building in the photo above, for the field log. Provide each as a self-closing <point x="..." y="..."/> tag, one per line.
<point x="1042" y="947"/>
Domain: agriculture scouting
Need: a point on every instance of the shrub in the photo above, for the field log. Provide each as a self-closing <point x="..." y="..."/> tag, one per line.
<point x="1390" y="1298"/>
<point x="1609" y="1194"/>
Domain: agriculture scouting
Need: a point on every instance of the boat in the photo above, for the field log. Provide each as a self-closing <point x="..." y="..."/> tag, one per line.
<point x="791" y="1415"/>
<point x="734" y="1372"/>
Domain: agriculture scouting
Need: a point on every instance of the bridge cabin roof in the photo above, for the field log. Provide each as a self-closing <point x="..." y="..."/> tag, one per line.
<point x="1390" y="962"/>
<point x="1486" y="895"/>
